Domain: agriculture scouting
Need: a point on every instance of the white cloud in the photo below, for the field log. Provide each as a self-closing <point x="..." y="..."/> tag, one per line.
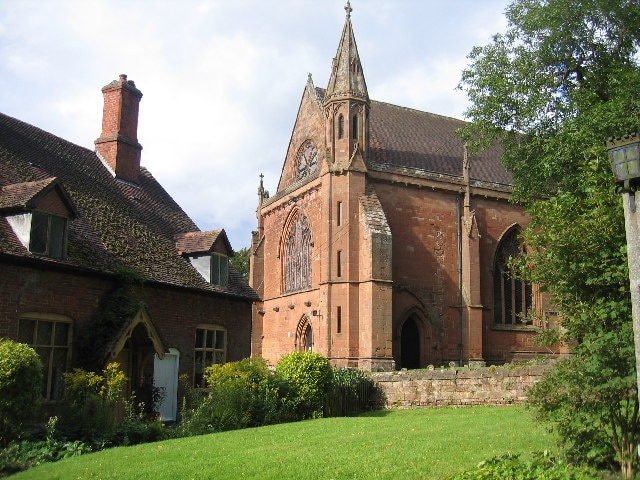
<point x="222" y="80"/>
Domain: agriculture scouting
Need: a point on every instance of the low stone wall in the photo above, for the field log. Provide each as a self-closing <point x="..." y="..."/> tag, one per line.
<point x="478" y="386"/>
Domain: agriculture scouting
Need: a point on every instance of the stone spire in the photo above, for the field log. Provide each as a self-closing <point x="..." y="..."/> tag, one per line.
<point x="347" y="78"/>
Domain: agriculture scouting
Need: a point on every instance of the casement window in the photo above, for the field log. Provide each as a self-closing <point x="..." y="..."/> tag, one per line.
<point x="298" y="251"/>
<point x="354" y="127"/>
<point x="339" y="264"/>
<point x="512" y="297"/>
<point x="340" y="126"/>
<point x="50" y="336"/>
<point x="214" y="268"/>
<point x="210" y="349"/>
<point x="48" y="235"/>
<point x="219" y="269"/>
<point x="339" y="214"/>
<point x="339" y="319"/>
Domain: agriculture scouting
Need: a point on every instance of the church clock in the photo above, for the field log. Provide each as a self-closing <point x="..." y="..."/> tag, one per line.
<point x="307" y="159"/>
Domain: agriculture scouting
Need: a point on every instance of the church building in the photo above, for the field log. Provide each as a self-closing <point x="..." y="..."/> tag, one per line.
<point x="385" y="244"/>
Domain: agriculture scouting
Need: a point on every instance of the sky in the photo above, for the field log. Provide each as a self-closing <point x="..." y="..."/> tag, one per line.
<point x="222" y="80"/>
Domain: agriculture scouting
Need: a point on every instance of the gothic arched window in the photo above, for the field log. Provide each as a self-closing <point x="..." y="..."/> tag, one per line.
<point x="298" y="249"/>
<point x="512" y="297"/>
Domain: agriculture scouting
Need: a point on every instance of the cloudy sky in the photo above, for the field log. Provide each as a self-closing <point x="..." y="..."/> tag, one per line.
<point x="222" y="79"/>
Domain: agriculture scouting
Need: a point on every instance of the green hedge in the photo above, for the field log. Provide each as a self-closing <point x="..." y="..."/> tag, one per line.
<point x="20" y="388"/>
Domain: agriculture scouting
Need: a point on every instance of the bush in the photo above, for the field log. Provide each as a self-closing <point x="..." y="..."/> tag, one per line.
<point x="93" y="403"/>
<point x="29" y="453"/>
<point x="241" y="394"/>
<point x="541" y="467"/>
<point x="352" y="392"/>
<point x="20" y="388"/>
<point x="310" y="378"/>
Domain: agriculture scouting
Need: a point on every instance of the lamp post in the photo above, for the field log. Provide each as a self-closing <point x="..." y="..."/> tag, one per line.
<point x="624" y="154"/>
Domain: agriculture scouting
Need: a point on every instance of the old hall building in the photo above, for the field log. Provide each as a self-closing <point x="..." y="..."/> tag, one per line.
<point x="99" y="264"/>
<point x="385" y="244"/>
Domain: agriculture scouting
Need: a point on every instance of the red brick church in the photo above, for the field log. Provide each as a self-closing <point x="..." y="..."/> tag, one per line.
<point x="385" y="244"/>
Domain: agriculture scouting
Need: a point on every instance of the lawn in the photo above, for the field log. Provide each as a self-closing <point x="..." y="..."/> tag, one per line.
<point x="387" y="444"/>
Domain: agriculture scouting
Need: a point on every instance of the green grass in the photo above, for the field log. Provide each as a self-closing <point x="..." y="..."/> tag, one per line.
<point x="389" y="444"/>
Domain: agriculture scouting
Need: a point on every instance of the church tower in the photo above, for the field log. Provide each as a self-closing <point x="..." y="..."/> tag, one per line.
<point x="346" y="102"/>
<point x="356" y="293"/>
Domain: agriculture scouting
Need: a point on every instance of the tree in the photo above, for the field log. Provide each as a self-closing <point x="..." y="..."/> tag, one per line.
<point x="561" y="80"/>
<point x="240" y="261"/>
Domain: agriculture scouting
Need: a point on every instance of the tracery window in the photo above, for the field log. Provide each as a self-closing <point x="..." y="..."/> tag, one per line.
<point x="298" y="249"/>
<point x="512" y="297"/>
<point x="307" y="159"/>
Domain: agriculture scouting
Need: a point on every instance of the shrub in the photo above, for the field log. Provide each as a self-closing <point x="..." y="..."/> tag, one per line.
<point x="93" y="403"/>
<point x="29" y="453"/>
<point x="541" y="467"/>
<point x="20" y="388"/>
<point x="310" y="378"/>
<point x="352" y="392"/>
<point x="241" y="394"/>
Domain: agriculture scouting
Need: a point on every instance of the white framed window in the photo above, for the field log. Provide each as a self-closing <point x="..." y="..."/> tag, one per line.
<point x="210" y="349"/>
<point x="50" y="336"/>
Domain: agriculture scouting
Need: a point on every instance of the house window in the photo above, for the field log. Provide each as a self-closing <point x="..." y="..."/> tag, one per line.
<point x="214" y="268"/>
<point x="48" y="235"/>
<point x="219" y="270"/>
<point x="50" y="336"/>
<point x="339" y="214"/>
<point x="298" y="250"/>
<point x="210" y="349"/>
<point x="339" y="264"/>
<point x="340" y="126"/>
<point x="339" y="320"/>
<point x="512" y="297"/>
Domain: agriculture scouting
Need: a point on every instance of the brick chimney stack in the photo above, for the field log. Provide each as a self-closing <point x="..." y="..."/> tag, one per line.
<point x="118" y="144"/>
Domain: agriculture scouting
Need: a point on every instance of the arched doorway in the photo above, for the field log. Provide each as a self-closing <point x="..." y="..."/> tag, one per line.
<point x="410" y="355"/>
<point x="304" y="335"/>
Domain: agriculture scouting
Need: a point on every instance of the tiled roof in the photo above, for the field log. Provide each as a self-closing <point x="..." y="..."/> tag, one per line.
<point x="19" y="195"/>
<point x="197" y="242"/>
<point x="416" y="142"/>
<point x="118" y="225"/>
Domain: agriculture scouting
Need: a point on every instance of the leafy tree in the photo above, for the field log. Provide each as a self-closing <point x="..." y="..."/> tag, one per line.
<point x="561" y="80"/>
<point x="240" y="261"/>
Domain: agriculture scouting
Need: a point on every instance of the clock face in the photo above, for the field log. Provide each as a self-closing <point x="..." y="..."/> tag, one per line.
<point x="307" y="159"/>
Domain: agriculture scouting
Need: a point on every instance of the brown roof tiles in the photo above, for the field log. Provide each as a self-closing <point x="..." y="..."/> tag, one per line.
<point x="118" y="225"/>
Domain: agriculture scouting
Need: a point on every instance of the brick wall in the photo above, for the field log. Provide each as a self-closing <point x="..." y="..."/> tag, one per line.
<point x="176" y="313"/>
<point x="447" y="387"/>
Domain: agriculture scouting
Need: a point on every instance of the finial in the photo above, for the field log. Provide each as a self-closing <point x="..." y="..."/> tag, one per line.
<point x="348" y="9"/>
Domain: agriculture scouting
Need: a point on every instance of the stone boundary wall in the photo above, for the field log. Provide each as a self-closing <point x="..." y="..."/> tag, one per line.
<point x="444" y="387"/>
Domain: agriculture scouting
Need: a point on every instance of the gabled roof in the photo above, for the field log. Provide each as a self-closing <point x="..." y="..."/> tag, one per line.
<point x="417" y="143"/>
<point x="118" y="225"/>
<point x="24" y="196"/>
<point x="201" y="242"/>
